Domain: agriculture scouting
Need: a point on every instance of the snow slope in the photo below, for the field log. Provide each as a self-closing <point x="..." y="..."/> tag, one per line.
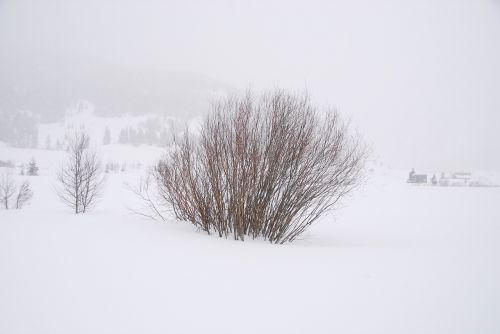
<point x="81" y="116"/>
<point x="396" y="259"/>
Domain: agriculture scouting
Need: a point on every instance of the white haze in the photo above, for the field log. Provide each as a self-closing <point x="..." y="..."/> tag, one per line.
<point x="421" y="79"/>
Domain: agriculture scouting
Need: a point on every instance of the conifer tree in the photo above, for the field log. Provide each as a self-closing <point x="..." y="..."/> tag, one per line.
<point x="107" y="137"/>
<point x="32" y="168"/>
<point x="48" y="143"/>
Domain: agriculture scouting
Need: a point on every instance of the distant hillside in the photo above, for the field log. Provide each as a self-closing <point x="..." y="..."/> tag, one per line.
<point x="46" y="86"/>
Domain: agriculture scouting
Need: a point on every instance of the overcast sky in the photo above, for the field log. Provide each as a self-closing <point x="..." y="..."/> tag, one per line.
<point x="421" y="79"/>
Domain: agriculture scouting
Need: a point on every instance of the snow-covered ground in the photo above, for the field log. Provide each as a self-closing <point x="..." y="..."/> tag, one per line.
<point x="396" y="259"/>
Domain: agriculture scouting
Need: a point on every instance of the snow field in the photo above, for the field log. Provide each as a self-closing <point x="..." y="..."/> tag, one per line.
<point x="395" y="259"/>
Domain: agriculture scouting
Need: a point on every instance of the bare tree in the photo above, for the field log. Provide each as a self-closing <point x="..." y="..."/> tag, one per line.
<point x="266" y="167"/>
<point x="7" y="189"/>
<point x="24" y="194"/>
<point x="80" y="179"/>
<point x="8" y="192"/>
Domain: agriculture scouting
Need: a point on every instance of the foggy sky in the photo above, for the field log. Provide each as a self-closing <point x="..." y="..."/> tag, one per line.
<point x="420" y="79"/>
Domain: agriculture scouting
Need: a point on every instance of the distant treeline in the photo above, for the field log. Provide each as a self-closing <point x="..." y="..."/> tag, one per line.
<point x="20" y="129"/>
<point x="151" y="132"/>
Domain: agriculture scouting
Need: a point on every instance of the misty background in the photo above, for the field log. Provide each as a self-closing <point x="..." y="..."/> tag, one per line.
<point x="420" y="80"/>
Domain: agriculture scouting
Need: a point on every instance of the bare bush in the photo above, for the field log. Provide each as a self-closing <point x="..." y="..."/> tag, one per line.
<point x="147" y="192"/>
<point x="261" y="167"/>
<point x="80" y="178"/>
<point x="8" y="192"/>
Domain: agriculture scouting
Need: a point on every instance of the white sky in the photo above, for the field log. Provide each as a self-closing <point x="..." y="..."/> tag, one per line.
<point x="421" y="79"/>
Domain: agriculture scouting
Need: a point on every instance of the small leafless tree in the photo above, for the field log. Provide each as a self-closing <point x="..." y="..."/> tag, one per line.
<point x="261" y="167"/>
<point x="80" y="178"/>
<point x="7" y="189"/>
<point x="24" y="194"/>
<point x="8" y="192"/>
